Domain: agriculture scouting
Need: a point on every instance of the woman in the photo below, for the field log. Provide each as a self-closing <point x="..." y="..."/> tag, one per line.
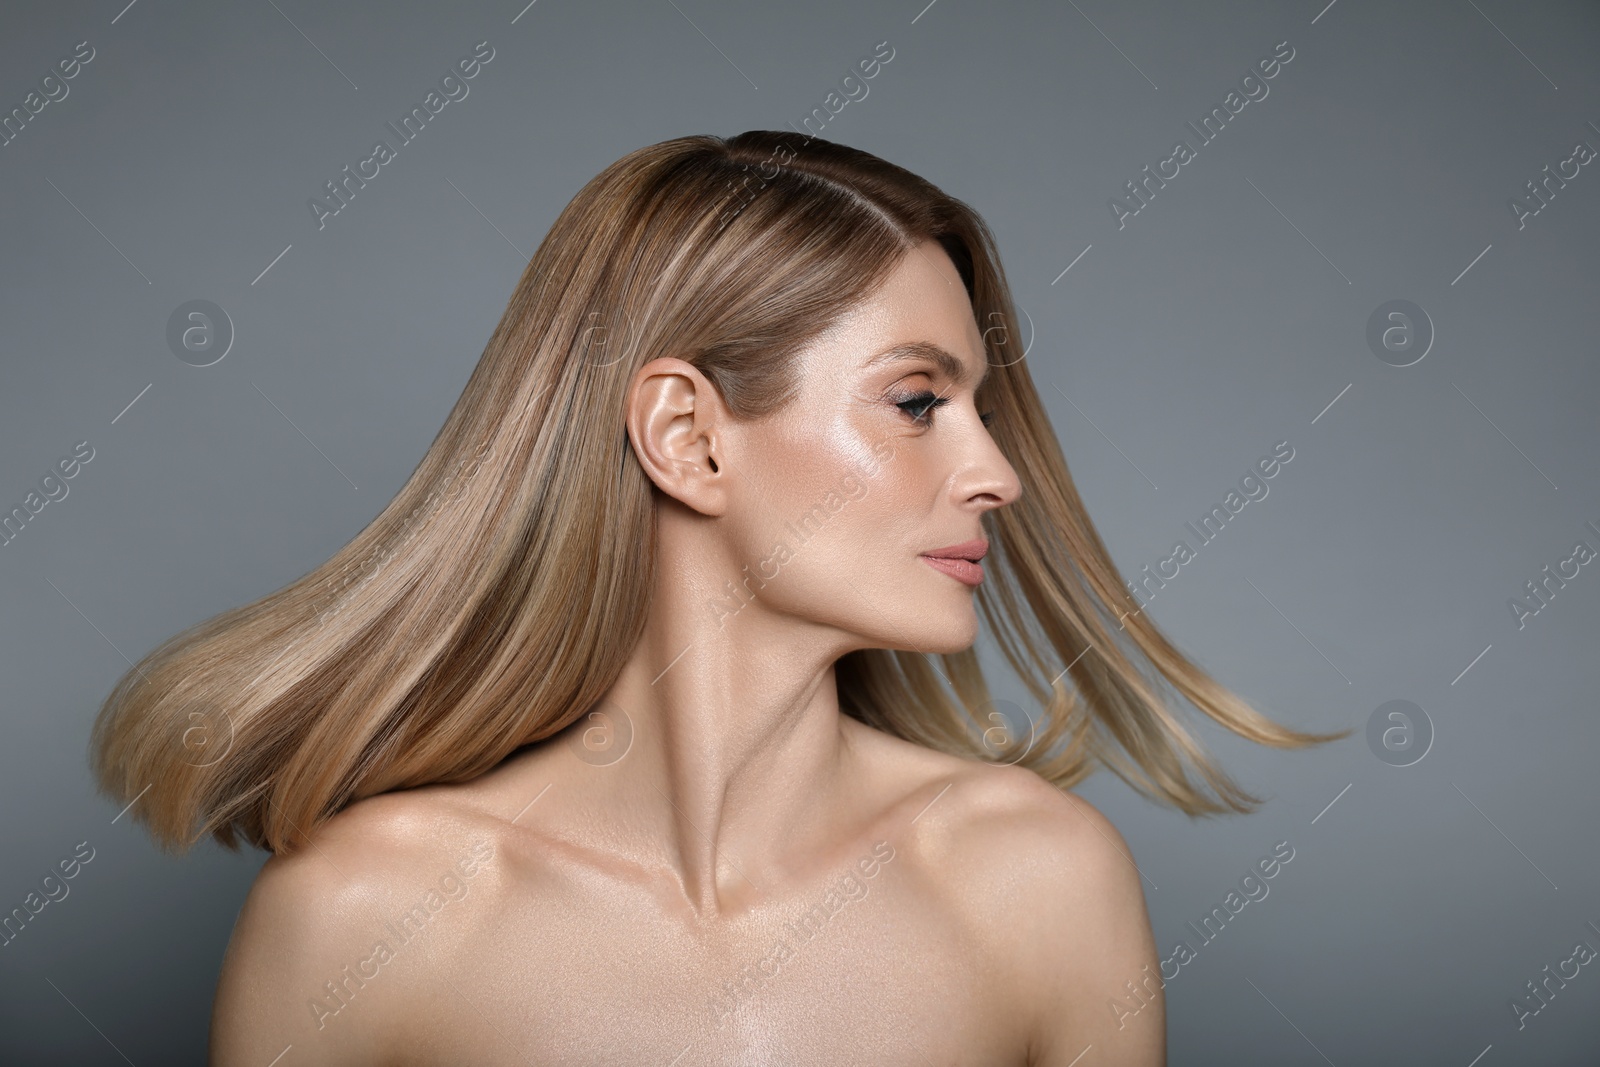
<point x="644" y="726"/>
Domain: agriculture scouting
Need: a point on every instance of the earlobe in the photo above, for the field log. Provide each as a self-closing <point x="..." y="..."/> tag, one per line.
<point x="674" y="415"/>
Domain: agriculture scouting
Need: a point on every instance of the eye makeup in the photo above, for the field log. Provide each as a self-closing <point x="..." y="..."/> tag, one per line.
<point x="920" y="407"/>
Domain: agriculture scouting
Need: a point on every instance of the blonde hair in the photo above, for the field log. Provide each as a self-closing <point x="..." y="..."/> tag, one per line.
<point x="483" y="611"/>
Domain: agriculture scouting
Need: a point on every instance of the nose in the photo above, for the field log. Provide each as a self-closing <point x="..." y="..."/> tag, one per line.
<point x="984" y="480"/>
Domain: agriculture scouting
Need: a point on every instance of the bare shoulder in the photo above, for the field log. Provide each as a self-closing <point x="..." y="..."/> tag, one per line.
<point x="1049" y="887"/>
<point x="1007" y="825"/>
<point x="326" y="954"/>
<point x="1005" y="815"/>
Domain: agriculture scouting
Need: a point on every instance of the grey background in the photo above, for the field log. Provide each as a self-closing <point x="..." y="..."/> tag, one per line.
<point x="1228" y="315"/>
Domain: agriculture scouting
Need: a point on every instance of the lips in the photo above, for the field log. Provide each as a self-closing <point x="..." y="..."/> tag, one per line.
<point x="959" y="561"/>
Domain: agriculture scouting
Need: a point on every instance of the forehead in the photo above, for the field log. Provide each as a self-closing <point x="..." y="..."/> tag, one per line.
<point x="921" y="310"/>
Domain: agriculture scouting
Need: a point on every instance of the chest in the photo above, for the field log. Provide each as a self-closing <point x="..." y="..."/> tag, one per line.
<point x="826" y="977"/>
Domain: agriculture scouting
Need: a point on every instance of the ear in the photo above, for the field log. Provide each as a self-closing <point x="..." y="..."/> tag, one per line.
<point x="675" y="416"/>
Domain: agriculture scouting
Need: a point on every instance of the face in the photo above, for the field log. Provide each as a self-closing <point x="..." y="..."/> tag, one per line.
<point x="858" y="506"/>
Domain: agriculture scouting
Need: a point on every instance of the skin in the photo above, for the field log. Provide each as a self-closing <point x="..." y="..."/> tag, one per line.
<point x="630" y="869"/>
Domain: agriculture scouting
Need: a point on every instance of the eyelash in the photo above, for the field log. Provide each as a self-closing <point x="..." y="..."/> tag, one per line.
<point x="922" y="405"/>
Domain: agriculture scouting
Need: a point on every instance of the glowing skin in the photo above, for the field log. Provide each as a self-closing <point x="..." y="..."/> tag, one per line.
<point x="732" y="839"/>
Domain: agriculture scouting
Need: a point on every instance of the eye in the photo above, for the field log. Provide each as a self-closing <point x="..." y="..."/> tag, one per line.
<point x="987" y="418"/>
<point x="920" y="406"/>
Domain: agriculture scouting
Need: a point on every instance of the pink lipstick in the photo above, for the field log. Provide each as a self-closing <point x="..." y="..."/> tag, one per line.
<point x="960" y="561"/>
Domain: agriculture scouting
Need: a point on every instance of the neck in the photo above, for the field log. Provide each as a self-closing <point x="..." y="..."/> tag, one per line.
<point x="737" y="742"/>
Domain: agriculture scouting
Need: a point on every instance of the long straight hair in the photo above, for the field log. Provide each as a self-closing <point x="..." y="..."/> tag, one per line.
<point x="497" y="597"/>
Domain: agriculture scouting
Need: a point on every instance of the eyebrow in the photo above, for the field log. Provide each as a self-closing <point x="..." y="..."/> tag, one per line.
<point x="950" y="365"/>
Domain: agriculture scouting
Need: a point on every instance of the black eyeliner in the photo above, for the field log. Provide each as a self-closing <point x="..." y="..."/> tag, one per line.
<point x="927" y="402"/>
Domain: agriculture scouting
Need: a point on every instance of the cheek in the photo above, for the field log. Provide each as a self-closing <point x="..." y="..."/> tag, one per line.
<point x="833" y="510"/>
<point x="819" y="471"/>
<point x="850" y="561"/>
<point x="820" y="515"/>
<point x="852" y="527"/>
